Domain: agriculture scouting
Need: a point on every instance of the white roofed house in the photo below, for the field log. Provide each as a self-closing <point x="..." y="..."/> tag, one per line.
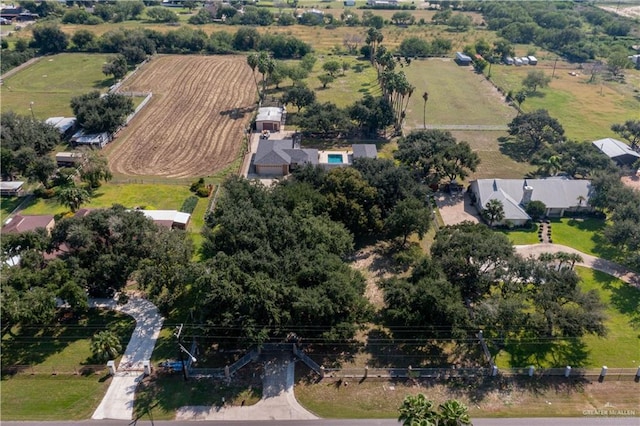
<point x="559" y="194"/>
<point x="172" y="219"/>
<point x="64" y="125"/>
<point x="617" y="150"/>
<point x="270" y="118"/>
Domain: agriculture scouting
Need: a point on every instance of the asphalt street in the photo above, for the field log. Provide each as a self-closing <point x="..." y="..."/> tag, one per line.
<point x="588" y="420"/>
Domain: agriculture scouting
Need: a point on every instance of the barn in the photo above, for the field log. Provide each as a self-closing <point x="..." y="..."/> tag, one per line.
<point x="69" y="159"/>
<point x="617" y="150"/>
<point x="270" y="118"/>
<point x="97" y="140"/>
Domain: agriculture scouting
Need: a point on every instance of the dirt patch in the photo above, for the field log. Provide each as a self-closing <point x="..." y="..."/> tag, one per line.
<point x="456" y="208"/>
<point x="632" y="181"/>
<point x="195" y="122"/>
<point x="375" y="267"/>
<point x="632" y="12"/>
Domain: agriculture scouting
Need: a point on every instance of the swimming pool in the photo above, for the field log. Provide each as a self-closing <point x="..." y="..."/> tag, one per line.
<point x="334" y="158"/>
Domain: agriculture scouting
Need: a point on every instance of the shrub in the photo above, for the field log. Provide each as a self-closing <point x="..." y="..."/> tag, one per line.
<point x="203" y="192"/>
<point x="196" y="185"/>
<point x="189" y="204"/>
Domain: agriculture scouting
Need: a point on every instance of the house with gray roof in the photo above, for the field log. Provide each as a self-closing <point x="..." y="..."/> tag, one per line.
<point x="561" y="195"/>
<point x="279" y="157"/>
<point x="617" y="150"/>
<point x="364" y="150"/>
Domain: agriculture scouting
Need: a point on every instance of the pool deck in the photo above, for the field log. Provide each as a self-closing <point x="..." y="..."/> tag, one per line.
<point x="347" y="157"/>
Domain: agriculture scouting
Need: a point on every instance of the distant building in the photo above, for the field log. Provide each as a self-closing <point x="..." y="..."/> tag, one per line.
<point x="172" y="219"/>
<point x="532" y="60"/>
<point x="19" y="223"/>
<point x="462" y="59"/>
<point x="617" y="150"/>
<point x="11" y="188"/>
<point x="95" y="140"/>
<point x="69" y="159"/>
<point x="64" y="125"/>
<point x="350" y="2"/>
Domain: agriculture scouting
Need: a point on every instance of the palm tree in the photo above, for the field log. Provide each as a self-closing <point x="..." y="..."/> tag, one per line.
<point x="105" y="345"/>
<point x="425" y="97"/>
<point x="252" y="61"/>
<point x="73" y="196"/>
<point x="552" y="165"/>
<point x="417" y="410"/>
<point x="493" y="211"/>
<point x="454" y="413"/>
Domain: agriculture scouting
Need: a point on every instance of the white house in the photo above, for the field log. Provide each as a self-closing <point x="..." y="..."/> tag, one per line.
<point x="559" y="194"/>
<point x="270" y="118"/>
<point x="617" y="150"/>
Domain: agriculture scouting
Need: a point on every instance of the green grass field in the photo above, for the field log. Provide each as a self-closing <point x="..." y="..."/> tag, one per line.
<point x="52" y="82"/>
<point x="522" y="236"/>
<point x="585" y="110"/>
<point x="347" y="87"/>
<point x="585" y="235"/>
<point x="7" y="205"/>
<point x="50" y="389"/>
<point x="618" y="349"/>
<point x="149" y="196"/>
<point x="457" y="95"/>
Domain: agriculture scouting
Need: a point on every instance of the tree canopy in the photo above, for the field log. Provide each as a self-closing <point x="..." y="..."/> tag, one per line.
<point x="97" y="114"/>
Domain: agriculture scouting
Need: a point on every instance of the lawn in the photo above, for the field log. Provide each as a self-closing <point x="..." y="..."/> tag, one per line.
<point x="374" y="398"/>
<point x="522" y="236"/>
<point x="618" y="349"/>
<point x="7" y="205"/>
<point x="50" y="389"/>
<point x="585" y="110"/>
<point x="457" y="95"/>
<point x="585" y="235"/>
<point x="52" y="82"/>
<point x="348" y="87"/>
<point x="149" y="196"/>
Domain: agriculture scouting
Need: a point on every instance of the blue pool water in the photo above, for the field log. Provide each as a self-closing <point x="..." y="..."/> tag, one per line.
<point x="334" y="158"/>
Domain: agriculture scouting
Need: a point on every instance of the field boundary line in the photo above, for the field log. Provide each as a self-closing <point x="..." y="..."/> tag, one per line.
<point x="19" y="68"/>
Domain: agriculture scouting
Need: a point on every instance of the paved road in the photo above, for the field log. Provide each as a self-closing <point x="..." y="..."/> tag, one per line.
<point x="118" y="401"/>
<point x="572" y="421"/>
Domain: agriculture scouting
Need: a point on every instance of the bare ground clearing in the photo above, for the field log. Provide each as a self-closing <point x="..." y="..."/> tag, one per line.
<point x="195" y="122"/>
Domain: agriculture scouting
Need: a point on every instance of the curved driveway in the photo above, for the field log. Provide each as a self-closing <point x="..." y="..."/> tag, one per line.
<point x="589" y="261"/>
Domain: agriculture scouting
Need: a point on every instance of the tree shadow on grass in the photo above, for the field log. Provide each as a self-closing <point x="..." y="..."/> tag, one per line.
<point x="33" y="344"/>
<point x="516" y="150"/>
<point x="107" y="82"/>
<point x="387" y="352"/>
<point x="624" y="297"/>
<point x="541" y="352"/>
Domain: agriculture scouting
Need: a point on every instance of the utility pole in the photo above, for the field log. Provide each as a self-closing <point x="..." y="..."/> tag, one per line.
<point x="180" y="348"/>
<point x="554" y="67"/>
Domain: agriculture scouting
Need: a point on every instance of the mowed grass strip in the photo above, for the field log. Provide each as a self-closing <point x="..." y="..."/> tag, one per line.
<point x="48" y="397"/>
<point x="585" y="110"/>
<point x="51" y="83"/>
<point x="149" y="196"/>
<point x="377" y="398"/>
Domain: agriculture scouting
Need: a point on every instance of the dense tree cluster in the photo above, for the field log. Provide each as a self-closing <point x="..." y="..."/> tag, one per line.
<point x="94" y="255"/>
<point x="96" y="113"/>
<point x="557" y="27"/>
<point x="474" y="281"/>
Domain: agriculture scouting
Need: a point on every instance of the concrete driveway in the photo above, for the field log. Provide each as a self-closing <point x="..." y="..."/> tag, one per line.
<point x="456" y="208"/>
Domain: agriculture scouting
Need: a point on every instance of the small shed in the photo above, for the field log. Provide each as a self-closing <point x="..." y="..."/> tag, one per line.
<point x="172" y="219"/>
<point x="532" y="60"/>
<point x="349" y="2"/>
<point x="69" y="159"/>
<point x="64" y="125"/>
<point x="462" y="59"/>
<point x="525" y="60"/>
<point x="617" y="150"/>
<point x="517" y="62"/>
<point x="95" y="140"/>
<point x="11" y="188"/>
<point x="362" y="150"/>
<point x="269" y="118"/>
<point x="509" y="60"/>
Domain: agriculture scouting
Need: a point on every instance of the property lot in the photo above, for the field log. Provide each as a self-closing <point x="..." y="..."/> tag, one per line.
<point x="52" y="82"/>
<point x="195" y="122"/>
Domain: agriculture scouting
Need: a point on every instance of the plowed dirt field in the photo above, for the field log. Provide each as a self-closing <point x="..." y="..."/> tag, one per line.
<point x="194" y="124"/>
